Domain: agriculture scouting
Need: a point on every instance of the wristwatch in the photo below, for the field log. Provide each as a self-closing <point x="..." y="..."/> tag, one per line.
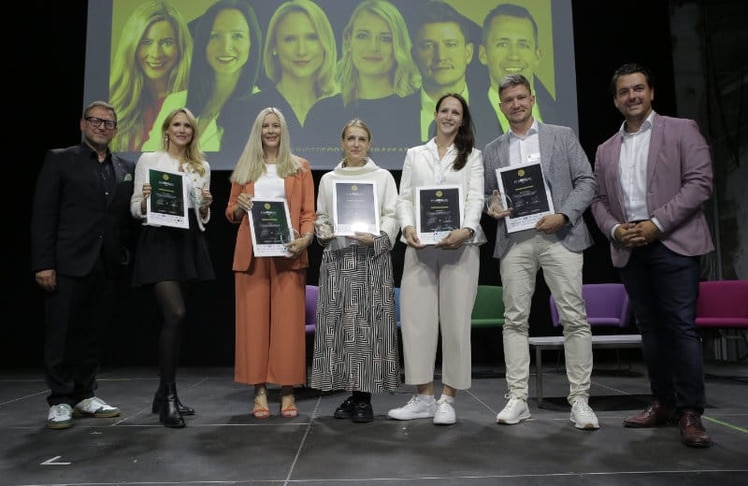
<point x="471" y="231"/>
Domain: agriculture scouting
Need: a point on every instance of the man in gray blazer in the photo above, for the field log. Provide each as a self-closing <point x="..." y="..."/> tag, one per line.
<point x="554" y="243"/>
<point x="653" y="176"/>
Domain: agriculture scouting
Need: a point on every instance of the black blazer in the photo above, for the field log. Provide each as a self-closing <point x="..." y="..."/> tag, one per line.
<point x="72" y="220"/>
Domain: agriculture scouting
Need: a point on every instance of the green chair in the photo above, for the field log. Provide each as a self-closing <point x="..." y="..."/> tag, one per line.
<point x="488" y="310"/>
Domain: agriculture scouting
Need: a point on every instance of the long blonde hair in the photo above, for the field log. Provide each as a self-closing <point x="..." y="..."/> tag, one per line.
<point x="325" y="83"/>
<point x="405" y="78"/>
<point x="127" y="81"/>
<point x="193" y="155"/>
<point x="251" y="163"/>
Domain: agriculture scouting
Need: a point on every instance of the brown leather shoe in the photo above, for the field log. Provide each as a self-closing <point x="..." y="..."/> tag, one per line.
<point x="692" y="432"/>
<point x="655" y="415"/>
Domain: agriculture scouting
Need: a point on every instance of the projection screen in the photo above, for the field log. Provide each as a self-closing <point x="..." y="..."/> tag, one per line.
<point x="322" y="63"/>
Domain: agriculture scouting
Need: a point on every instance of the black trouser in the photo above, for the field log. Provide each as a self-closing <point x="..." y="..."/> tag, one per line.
<point x="663" y="287"/>
<point x="76" y="314"/>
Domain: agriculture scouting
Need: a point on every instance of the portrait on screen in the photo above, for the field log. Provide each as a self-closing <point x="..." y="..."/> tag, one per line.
<point x="151" y="60"/>
<point x="322" y="63"/>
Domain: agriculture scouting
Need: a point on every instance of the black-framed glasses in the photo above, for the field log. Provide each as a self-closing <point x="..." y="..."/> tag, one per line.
<point x="96" y="122"/>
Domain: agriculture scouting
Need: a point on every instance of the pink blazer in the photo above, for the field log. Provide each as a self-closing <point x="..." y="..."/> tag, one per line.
<point x="300" y="196"/>
<point x="679" y="181"/>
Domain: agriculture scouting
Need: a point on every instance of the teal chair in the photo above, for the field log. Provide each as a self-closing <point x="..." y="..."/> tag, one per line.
<point x="488" y="310"/>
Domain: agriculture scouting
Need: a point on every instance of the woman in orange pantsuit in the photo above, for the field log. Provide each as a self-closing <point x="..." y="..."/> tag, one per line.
<point x="269" y="290"/>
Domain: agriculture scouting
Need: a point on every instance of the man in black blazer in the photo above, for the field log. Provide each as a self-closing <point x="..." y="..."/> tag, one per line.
<point x="79" y="226"/>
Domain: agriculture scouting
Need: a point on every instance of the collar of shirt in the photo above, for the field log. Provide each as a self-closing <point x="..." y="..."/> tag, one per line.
<point x="646" y="125"/>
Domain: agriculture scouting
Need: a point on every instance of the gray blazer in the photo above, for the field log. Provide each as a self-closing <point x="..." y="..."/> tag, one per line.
<point x="567" y="172"/>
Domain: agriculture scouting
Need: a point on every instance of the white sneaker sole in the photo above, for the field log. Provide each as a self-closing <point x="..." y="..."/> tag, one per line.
<point x="409" y="417"/>
<point x="584" y="426"/>
<point x="519" y="419"/>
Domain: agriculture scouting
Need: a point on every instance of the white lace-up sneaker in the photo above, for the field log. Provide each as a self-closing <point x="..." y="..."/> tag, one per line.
<point x="514" y="412"/>
<point x="417" y="407"/>
<point x="582" y="415"/>
<point x="95" y="407"/>
<point x="60" y="416"/>
<point x="445" y="413"/>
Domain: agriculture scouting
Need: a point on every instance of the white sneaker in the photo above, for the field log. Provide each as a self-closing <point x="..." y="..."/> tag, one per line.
<point x="445" y="413"/>
<point x="514" y="412"/>
<point x="417" y="407"/>
<point x="582" y="415"/>
<point x="60" y="416"/>
<point x="95" y="407"/>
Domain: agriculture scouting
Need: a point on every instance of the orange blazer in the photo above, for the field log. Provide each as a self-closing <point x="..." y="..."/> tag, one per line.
<point x="300" y="196"/>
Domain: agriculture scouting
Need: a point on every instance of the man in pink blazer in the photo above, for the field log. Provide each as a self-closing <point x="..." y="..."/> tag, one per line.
<point x="653" y="176"/>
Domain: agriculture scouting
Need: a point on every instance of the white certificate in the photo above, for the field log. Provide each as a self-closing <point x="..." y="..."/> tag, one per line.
<point x="355" y="207"/>
<point x="439" y="210"/>
<point x="523" y="189"/>
<point x="167" y="205"/>
<point x="270" y="226"/>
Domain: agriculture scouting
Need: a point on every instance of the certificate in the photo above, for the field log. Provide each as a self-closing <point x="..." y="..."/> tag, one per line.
<point x="355" y="208"/>
<point x="270" y="225"/>
<point x="524" y="190"/>
<point x="167" y="205"/>
<point x="439" y="210"/>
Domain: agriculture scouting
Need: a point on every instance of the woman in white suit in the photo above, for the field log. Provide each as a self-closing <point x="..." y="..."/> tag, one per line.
<point x="440" y="281"/>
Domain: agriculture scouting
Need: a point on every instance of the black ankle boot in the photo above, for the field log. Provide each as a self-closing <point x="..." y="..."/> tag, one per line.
<point x="169" y="414"/>
<point x="159" y="400"/>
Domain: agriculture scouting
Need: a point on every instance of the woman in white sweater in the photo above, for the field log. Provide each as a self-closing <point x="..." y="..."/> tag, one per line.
<point x="355" y="344"/>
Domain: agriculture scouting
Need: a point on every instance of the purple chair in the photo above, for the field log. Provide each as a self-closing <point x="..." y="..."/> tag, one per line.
<point x="723" y="306"/>
<point x="607" y="304"/>
<point x="311" y="309"/>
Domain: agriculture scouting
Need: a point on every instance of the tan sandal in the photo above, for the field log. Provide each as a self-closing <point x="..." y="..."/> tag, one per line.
<point x="288" y="407"/>
<point x="260" y="409"/>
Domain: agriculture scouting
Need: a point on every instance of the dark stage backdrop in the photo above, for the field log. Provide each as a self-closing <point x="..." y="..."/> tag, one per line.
<point x="48" y="117"/>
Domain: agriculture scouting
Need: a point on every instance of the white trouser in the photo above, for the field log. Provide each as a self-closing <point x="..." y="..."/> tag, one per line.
<point x="562" y="270"/>
<point x="437" y="293"/>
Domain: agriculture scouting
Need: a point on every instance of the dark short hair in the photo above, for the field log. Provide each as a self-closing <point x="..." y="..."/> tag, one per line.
<point x="99" y="104"/>
<point x="509" y="10"/>
<point x="438" y="11"/>
<point x="631" y="68"/>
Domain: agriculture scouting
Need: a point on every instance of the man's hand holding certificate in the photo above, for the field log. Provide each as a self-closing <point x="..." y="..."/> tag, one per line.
<point x="525" y="194"/>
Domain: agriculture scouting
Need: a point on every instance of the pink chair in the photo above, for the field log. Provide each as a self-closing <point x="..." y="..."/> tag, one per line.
<point x="311" y="309"/>
<point x="723" y="307"/>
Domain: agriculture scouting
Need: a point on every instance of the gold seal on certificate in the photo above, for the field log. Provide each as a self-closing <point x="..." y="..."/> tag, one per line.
<point x="439" y="210"/>
<point x="270" y="225"/>
<point x="525" y="192"/>
<point x="355" y="208"/>
<point x="167" y="205"/>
